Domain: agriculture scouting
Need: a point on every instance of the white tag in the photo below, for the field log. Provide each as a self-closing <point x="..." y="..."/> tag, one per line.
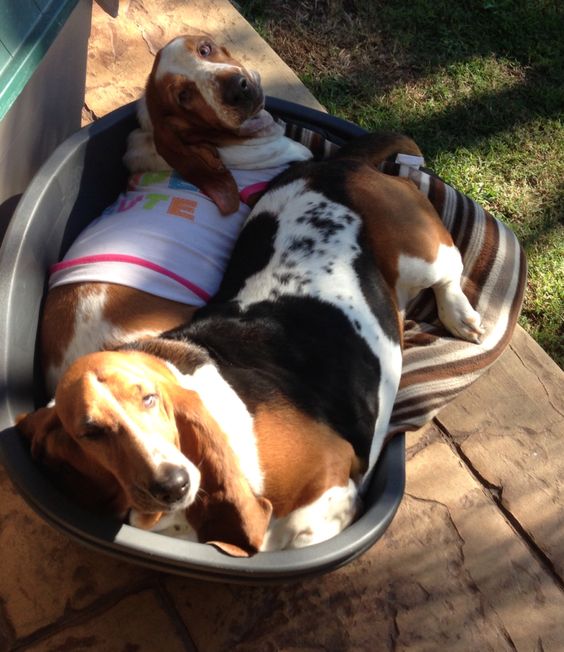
<point x="408" y="159"/>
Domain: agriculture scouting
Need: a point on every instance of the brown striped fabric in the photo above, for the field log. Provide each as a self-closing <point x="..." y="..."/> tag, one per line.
<point x="436" y="365"/>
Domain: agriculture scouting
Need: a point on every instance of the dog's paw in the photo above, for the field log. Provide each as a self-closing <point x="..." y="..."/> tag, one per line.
<point x="463" y="321"/>
<point x="470" y="328"/>
<point x="457" y="315"/>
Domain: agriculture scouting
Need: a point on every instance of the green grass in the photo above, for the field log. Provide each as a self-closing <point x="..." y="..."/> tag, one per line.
<point x="479" y="85"/>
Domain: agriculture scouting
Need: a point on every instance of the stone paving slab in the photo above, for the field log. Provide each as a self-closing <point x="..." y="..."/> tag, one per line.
<point x="495" y="560"/>
<point x="43" y="574"/>
<point x="136" y="623"/>
<point x="510" y="427"/>
<point x="450" y="574"/>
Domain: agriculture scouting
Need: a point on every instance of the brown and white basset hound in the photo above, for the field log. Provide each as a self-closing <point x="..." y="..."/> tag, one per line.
<point x="128" y="432"/>
<point x="160" y="251"/>
<point x="259" y="421"/>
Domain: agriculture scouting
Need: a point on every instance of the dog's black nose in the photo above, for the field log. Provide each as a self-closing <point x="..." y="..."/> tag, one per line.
<point x="240" y="91"/>
<point x="172" y="484"/>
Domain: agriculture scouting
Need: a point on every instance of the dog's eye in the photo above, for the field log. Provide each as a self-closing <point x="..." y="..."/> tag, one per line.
<point x="205" y="49"/>
<point x="183" y="96"/>
<point x="92" y="433"/>
<point x="149" y="401"/>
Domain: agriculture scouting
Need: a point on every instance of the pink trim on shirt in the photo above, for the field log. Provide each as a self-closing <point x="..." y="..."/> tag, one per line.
<point x="133" y="260"/>
<point x="252" y="189"/>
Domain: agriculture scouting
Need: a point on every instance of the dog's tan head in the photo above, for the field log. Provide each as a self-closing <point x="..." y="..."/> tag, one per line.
<point x="199" y="97"/>
<point x="124" y="425"/>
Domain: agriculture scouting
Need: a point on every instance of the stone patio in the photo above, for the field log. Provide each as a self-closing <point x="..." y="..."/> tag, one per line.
<point x="474" y="559"/>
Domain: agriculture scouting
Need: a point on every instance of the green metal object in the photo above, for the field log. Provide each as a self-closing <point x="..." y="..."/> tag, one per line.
<point x="27" y="29"/>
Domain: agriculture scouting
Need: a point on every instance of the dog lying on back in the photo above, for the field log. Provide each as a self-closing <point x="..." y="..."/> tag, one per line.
<point x="260" y="421"/>
<point x="160" y="251"/>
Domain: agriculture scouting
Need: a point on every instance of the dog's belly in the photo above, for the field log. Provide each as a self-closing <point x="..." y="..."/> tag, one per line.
<point x="89" y="332"/>
<point x="83" y="318"/>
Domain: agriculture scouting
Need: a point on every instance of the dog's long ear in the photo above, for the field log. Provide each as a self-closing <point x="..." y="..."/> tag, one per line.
<point x="42" y="429"/>
<point x="70" y="468"/>
<point x="237" y="528"/>
<point x="198" y="163"/>
<point x="227" y="513"/>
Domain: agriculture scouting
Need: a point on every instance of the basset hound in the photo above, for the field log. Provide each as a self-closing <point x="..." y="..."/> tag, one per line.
<point x="204" y="149"/>
<point x="129" y="433"/>
<point x="257" y="423"/>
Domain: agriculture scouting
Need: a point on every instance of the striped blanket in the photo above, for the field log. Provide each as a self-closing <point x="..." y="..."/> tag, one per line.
<point x="436" y="365"/>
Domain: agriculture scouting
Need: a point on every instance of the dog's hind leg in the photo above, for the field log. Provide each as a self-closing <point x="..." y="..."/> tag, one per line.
<point x="443" y="275"/>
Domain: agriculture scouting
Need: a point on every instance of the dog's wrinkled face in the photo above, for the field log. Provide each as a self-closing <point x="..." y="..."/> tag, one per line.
<point x="137" y="440"/>
<point x="200" y="83"/>
<point x="117" y="409"/>
<point x="199" y="98"/>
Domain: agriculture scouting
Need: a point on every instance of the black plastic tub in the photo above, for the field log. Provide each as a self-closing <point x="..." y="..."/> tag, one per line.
<point x="81" y="178"/>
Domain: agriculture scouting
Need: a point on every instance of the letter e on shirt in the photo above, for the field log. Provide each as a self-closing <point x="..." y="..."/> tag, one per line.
<point x="181" y="207"/>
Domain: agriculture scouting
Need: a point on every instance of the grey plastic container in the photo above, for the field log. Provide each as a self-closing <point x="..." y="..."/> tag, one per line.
<point x="81" y="178"/>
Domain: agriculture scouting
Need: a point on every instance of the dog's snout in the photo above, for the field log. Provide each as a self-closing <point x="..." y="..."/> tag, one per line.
<point x="172" y="484"/>
<point x="240" y="90"/>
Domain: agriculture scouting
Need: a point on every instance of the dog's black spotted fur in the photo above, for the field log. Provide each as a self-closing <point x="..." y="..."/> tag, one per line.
<point x="297" y="346"/>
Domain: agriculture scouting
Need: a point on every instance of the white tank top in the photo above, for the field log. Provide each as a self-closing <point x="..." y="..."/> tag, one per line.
<point x="163" y="236"/>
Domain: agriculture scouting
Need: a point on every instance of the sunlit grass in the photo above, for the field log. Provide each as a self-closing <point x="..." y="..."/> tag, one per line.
<point x="479" y="85"/>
